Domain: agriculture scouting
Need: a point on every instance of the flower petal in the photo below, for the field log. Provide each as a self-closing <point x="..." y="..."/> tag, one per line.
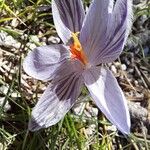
<point x="121" y="21"/>
<point x="68" y="17"/>
<point x="105" y="30"/>
<point x="95" y="25"/>
<point x="56" y="101"/>
<point x="42" y="62"/>
<point x="108" y="96"/>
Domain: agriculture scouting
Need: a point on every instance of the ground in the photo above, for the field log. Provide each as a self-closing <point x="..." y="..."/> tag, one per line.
<point x="25" y="25"/>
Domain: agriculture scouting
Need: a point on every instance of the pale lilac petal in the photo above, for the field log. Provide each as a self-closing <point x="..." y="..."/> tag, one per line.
<point x="68" y="68"/>
<point x="68" y="17"/>
<point x="42" y="62"/>
<point x="105" y="30"/>
<point x="118" y="27"/>
<point x="108" y="96"/>
<point x="56" y="101"/>
<point x="95" y="25"/>
<point x="121" y="19"/>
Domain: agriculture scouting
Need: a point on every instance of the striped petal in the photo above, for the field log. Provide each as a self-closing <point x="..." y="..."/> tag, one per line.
<point x="105" y="30"/>
<point x="43" y="62"/>
<point x="56" y="101"/>
<point x="108" y="96"/>
<point x="95" y="25"/>
<point x="68" y="17"/>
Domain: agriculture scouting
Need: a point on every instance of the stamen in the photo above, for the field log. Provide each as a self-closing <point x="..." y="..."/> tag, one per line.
<point x="77" y="50"/>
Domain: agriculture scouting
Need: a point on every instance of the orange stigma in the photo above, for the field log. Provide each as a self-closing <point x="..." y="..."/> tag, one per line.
<point x="77" y="50"/>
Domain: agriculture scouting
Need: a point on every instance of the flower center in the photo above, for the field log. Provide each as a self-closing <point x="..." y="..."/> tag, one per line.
<point x="76" y="49"/>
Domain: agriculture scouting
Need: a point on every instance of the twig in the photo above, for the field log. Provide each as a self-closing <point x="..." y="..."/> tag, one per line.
<point x="140" y="75"/>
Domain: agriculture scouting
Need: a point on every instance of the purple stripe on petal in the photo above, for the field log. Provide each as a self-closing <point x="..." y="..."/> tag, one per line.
<point x="95" y="25"/>
<point x="110" y="58"/>
<point x="68" y="17"/>
<point x="56" y="101"/>
<point x="101" y="35"/>
<point x="111" y="52"/>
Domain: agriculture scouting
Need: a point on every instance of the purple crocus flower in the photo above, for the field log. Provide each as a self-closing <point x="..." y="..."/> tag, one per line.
<point x="89" y="41"/>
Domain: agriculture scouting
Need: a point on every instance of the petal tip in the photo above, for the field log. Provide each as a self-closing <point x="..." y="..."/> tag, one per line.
<point x="125" y="129"/>
<point x="27" y="64"/>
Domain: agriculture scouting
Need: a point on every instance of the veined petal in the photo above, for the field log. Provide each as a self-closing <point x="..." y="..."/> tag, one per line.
<point x="121" y="21"/>
<point x="68" y="17"/>
<point x="108" y="96"/>
<point x="105" y="30"/>
<point x="95" y="25"/>
<point x="56" y="101"/>
<point x="42" y="62"/>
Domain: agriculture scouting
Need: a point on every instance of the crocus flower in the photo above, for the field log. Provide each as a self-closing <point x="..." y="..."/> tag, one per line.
<point x="90" y="40"/>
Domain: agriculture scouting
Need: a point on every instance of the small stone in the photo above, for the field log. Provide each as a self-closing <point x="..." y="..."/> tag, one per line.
<point x="6" y="106"/>
<point x="15" y="95"/>
<point x="93" y="111"/>
<point x="117" y="64"/>
<point x="53" y="39"/>
<point x="113" y="69"/>
<point x="17" y="45"/>
<point x="123" y="67"/>
<point x="34" y="38"/>
<point x="112" y="128"/>
<point x="8" y="41"/>
<point x="87" y="113"/>
<point x="78" y="108"/>
<point x="136" y="82"/>
<point x="90" y="130"/>
<point x="24" y="36"/>
<point x="31" y="45"/>
<point x="130" y="70"/>
<point x="15" y="22"/>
